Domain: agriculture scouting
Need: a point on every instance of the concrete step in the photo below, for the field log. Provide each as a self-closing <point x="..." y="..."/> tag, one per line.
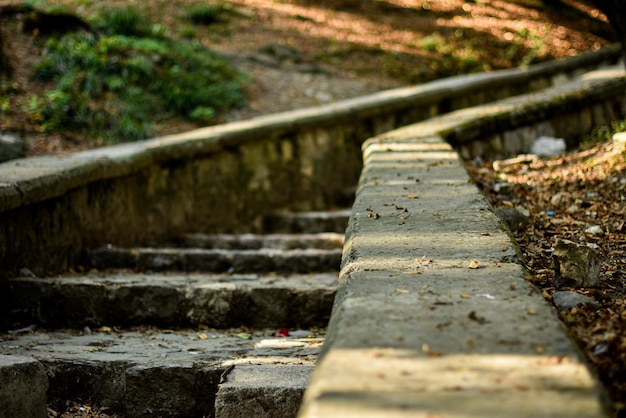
<point x="215" y="300"/>
<point x="23" y="388"/>
<point x="146" y="372"/>
<point x="216" y="260"/>
<point x="308" y="222"/>
<point x="211" y="282"/>
<point x="262" y="392"/>
<point x="321" y="241"/>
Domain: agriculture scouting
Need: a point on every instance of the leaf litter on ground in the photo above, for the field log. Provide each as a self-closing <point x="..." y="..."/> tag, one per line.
<point x="579" y="196"/>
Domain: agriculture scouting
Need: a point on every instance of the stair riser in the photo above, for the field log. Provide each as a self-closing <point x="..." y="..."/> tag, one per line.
<point x="53" y="304"/>
<point x="307" y="223"/>
<point x="218" y="261"/>
<point x="325" y="241"/>
<point x="133" y="390"/>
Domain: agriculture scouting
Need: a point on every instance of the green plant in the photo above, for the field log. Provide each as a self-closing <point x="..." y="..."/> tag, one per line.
<point x="6" y="107"/>
<point x="188" y="32"/>
<point x="126" y="21"/>
<point x="34" y="109"/>
<point x="603" y="133"/>
<point x="435" y="43"/>
<point x="112" y="86"/>
<point x="203" y="114"/>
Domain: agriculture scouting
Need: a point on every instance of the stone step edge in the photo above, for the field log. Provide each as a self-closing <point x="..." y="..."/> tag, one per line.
<point x="307" y="222"/>
<point x="261" y="393"/>
<point x="219" y="301"/>
<point x="24" y="387"/>
<point x="321" y="241"/>
<point x="216" y="260"/>
<point x="136" y="390"/>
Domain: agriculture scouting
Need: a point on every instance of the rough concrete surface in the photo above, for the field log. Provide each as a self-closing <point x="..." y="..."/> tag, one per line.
<point x="217" y="260"/>
<point x="147" y="373"/>
<point x="23" y="387"/>
<point x="115" y="298"/>
<point x="290" y="241"/>
<point x="247" y="393"/>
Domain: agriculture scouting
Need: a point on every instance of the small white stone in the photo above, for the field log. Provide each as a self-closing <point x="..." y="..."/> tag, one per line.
<point x="620" y="138"/>
<point x="546" y="146"/>
<point x="573" y="209"/>
<point x="594" y="230"/>
<point x="557" y="199"/>
<point x="503" y="187"/>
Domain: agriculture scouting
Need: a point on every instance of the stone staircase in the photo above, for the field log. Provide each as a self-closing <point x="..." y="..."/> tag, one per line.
<point x="432" y="315"/>
<point x="193" y="329"/>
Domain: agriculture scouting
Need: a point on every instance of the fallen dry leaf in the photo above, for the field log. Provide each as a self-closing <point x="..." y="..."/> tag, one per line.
<point x="473" y="265"/>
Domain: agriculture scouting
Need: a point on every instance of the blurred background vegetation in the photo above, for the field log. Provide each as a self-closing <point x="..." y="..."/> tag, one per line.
<point x="113" y="71"/>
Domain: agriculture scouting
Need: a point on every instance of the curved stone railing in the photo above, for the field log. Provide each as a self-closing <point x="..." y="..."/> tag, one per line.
<point x="223" y="178"/>
<point x="433" y="316"/>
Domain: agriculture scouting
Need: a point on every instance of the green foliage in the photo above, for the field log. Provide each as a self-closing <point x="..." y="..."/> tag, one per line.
<point x="452" y="55"/>
<point x="436" y="43"/>
<point x="188" y="32"/>
<point x="114" y="85"/>
<point x="603" y="133"/>
<point x="6" y="106"/>
<point x="126" y="21"/>
<point x="202" y="114"/>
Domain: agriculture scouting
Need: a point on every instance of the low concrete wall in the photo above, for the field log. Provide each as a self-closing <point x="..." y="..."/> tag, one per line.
<point x="433" y="316"/>
<point x="223" y="178"/>
<point x="510" y="126"/>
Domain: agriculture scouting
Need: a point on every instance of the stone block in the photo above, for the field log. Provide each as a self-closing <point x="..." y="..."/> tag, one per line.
<point x="165" y="390"/>
<point x="11" y="147"/>
<point x="575" y="265"/>
<point x="80" y="379"/>
<point x="23" y="387"/>
<point x="307" y="261"/>
<point x="269" y="307"/>
<point x="262" y="392"/>
<point x="217" y="304"/>
<point x="138" y="303"/>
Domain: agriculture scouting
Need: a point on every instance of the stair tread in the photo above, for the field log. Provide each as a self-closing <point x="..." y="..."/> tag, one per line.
<point x="217" y="260"/>
<point x="178" y="250"/>
<point x="150" y="346"/>
<point x="323" y="240"/>
<point x="177" y="299"/>
<point x="178" y="279"/>
<point x="308" y="222"/>
<point x="202" y="288"/>
<point x="172" y="373"/>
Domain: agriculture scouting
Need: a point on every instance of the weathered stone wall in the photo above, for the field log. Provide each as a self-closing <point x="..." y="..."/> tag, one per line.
<point x="223" y="178"/>
<point x="223" y="191"/>
<point x="570" y="112"/>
